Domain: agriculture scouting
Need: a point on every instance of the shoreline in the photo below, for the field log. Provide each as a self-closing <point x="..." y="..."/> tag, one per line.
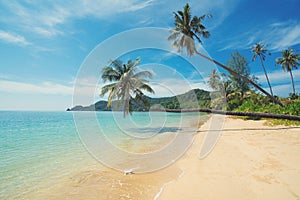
<point x="101" y="182"/>
<point x="243" y="165"/>
<point x="249" y="161"/>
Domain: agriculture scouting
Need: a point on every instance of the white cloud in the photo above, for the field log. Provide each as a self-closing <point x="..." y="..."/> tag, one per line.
<point x="28" y="88"/>
<point x="220" y="10"/>
<point x="277" y="36"/>
<point x="13" y="38"/>
<point x="82" y="88"/>
<point x="6" y="76"/>
<point x="44" y="18"/>
<point x="280" y="82"/>
<point x="284" y="35"/>
<point x="284" y="90"/>
<point x="46" y="32"/>
<point x="278" y="77"/>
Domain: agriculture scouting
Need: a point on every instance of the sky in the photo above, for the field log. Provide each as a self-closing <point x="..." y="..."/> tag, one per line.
<point x="45" y="44"/>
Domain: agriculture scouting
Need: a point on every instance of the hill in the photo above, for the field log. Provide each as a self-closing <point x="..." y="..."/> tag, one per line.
<point x="196" y="98"/>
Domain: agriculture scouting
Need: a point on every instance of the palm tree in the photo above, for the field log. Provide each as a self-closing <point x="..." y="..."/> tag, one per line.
<point x="214" y="80"/>
<point x="126" y="84"/>
<point x="288" y="61"/>
<point x="187" y="28"/>
<point x="260" y="50"/>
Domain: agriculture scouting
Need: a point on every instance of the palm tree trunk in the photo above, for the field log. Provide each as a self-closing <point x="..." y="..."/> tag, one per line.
<point x="248" y="114"/>
<point x="242" y="77"/>
<point x="262" y="64"/>
<point x="293" y="84"/>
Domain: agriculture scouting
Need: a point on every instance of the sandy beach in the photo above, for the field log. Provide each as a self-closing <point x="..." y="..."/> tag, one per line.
<point x="250" y="161"/>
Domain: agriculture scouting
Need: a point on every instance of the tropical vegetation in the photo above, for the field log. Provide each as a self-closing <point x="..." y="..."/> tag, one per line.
<point x="243" y="100"/>
<point x="234" y="91"/>
<point x="187" y="29"/>
<point x="182" y="101"/>
<point x="259" y="49"/>
<point x="128" y="84"/>
<point x="258" y="103"/>
<point x="288" y="62"/>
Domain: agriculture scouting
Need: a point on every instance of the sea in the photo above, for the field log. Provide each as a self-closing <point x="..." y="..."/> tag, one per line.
<point x="39" y="149"/>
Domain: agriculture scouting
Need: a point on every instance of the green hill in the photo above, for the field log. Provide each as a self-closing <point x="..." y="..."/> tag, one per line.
<point x="196" y="98"/>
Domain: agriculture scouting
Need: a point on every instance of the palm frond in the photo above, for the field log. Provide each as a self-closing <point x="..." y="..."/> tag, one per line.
<point x="174" y="34"/>
<point x="205" y="16"/>
<point x="147" y="88"/>
<point x="136" y="62"/>
<point x="259" y="49"/>
<point x="117" y="65"/>
<point x="187" y="29"/>
<point x="187" y="14"/>
<point x="178" y="19"/>
<point x="145" y="74"/>
<point x="128" y="82"/>
<point x="105" y="89"/>
<point x="110" y="74"/>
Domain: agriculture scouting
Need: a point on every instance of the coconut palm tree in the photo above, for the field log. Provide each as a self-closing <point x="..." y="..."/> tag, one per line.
<point x="214" y="80"/>
<point x="260" y="50"/>
<point x="288" y="61"/>
<point x="127" y="85"/>
<point x="187" y="28"/>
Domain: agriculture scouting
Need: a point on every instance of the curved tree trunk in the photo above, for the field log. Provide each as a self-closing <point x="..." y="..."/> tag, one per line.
<point x="242" y="77"/>
<point x="262" y="64"/>
<point x="293" y="84"/>
<point x="248" y="114"/>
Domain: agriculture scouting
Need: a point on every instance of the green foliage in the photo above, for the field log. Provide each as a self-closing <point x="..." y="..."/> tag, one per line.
<point x="235" y="87"/>
<point x="126" y="82"/>
<point x="239" y="64"/>
<point x="215" y="81"/>
<point x="195" y="98"/>
<point x="187" y="29"/>
<point x="294" y="96"/>
<point x="260" y="50"/>
<point x="258" y="103"/>
<point x="288" y="61"/>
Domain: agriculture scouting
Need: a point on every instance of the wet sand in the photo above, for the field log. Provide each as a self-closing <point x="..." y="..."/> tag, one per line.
<point x="109" y="184"/>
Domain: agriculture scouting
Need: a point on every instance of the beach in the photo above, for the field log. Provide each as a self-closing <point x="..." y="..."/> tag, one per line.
<point x="149" y="100"/>
<point x="250" y="161"/>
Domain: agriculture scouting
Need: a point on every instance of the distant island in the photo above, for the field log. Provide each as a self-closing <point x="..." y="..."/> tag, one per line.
<point x="186" y="100"/>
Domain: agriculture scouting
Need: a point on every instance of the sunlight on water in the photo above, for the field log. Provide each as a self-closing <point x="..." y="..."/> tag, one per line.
<point x="39" y="148"/>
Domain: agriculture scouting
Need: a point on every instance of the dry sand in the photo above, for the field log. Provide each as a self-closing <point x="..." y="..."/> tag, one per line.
<point x="250" y="161"/>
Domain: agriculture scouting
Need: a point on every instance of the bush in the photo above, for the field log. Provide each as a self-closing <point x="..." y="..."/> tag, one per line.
<point x="254" y="105"/>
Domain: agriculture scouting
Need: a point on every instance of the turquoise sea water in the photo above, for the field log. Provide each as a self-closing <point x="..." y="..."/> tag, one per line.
<point x="37" y="148"/>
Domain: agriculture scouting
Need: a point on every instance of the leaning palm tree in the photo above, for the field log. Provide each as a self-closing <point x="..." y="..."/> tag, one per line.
<point x="260" y="50"/>
<point x="288" y="61"/>
<point x="187" y="28"/>
<point x="127" y="85"/>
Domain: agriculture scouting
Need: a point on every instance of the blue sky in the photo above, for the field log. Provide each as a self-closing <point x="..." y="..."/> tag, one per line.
<point x="44" y="43"/>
